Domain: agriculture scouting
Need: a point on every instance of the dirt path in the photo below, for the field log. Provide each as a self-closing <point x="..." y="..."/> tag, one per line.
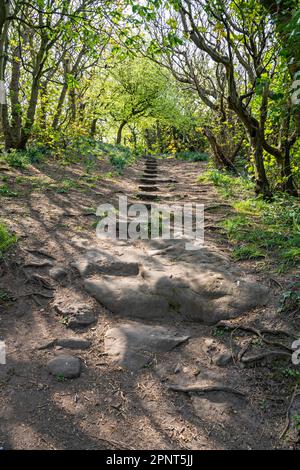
<point x="151" y="338"/>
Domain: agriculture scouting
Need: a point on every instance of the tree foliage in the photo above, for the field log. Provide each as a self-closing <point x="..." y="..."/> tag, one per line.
<point x="162" y="75"/>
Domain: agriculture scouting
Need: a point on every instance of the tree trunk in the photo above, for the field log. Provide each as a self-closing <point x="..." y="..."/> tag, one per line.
<point x="93" y="127"/>
<point x="72" y="103"/>
<point x="16" y="115"/>
<point x="119" y="134"/>
<point x="261" y="180"/>
<point x="4" y="11"/>
<point x="59" y="107"/>
<point x="26" y="130"/>
<point x="159" y="137"/>
<point x="220" y="159"/>
<point x="286" y="173"/>
<point x="62" y="97"/>
<point x="44" y="103"/>
<point x="256" y="137"/>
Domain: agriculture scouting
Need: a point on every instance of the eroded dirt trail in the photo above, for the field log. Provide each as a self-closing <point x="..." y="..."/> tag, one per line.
<point x="134" y="324"/>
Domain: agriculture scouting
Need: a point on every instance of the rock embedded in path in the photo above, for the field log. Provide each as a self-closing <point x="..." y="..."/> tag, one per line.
<point x="97" y="261"/>
<point x="66" y="308"/>
<point x="222" y="359"/>
<point x="206" y="297"/>
<point x="131" y="344"/>
<point x="82" y="319"/>
<point x="73" y="343"/>
<point x="58" y="273"/>
<point x="64" y="366"/>
<point x="202" y="285"/>
<point x="127" y="297"/>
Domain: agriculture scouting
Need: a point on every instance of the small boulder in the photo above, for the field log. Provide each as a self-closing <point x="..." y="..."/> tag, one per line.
<point x="64" y="366"/>
<point x="222" y="359"/>
<point x="81" y="319"/>
<point x="58" y="273"/>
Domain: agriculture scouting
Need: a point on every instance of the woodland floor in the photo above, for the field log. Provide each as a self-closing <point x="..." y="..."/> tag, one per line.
<point x="108" y="406"/>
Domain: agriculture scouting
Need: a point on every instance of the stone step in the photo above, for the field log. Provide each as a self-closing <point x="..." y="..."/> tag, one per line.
<point x="149" y="188"/>
<point x="148" y="176"/>
<point x="151" y="168"/>
<point x="149" y="181"/>
<point x="147" y="196"/>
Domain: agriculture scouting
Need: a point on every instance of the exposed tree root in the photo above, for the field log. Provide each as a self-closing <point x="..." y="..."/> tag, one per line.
<point x="265" y="355"/>
<point x="41" y="252"/>
<point x="36" y="264"/>
<point x="288" y="418"/>
<point x="41" y="294"/>
<point x="204" y="389"/>
<point x="38" y="279"/>
<point x="260" y="334"/>
<point x="244" y="350"/>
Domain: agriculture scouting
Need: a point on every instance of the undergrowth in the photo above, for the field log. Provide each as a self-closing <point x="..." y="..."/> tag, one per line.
<point x="192" y="156"/>
<point x="68" y="150"/>
<point x="269" y="231"/>
<point x="6" y="239"/>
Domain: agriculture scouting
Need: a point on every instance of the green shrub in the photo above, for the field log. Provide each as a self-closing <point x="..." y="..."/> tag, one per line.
<point x="119" y="156"/>
<point x="37" y="153"/>
<point x="17" y="159"/>
<point x="226" y="184"/>
<point x="6" y="192"/>
<point x="247" y="252"/>
<point x="6" y="239"/>
<point x="259" y="228"/>
<point x="192" y="156"/>
<point x="22" y="158"/>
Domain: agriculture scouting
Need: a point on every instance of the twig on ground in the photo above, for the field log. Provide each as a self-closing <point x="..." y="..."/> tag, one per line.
<point x="288" y="418"/>
<point x="117" y="444"/>
<point x="204" y="389"/>
<point x="276" y="282"/>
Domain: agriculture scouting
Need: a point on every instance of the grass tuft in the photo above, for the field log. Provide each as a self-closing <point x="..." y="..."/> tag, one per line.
<point x="259" y="229"/>
<point x="192" y="156"/>
<point x="6" y="239"/>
